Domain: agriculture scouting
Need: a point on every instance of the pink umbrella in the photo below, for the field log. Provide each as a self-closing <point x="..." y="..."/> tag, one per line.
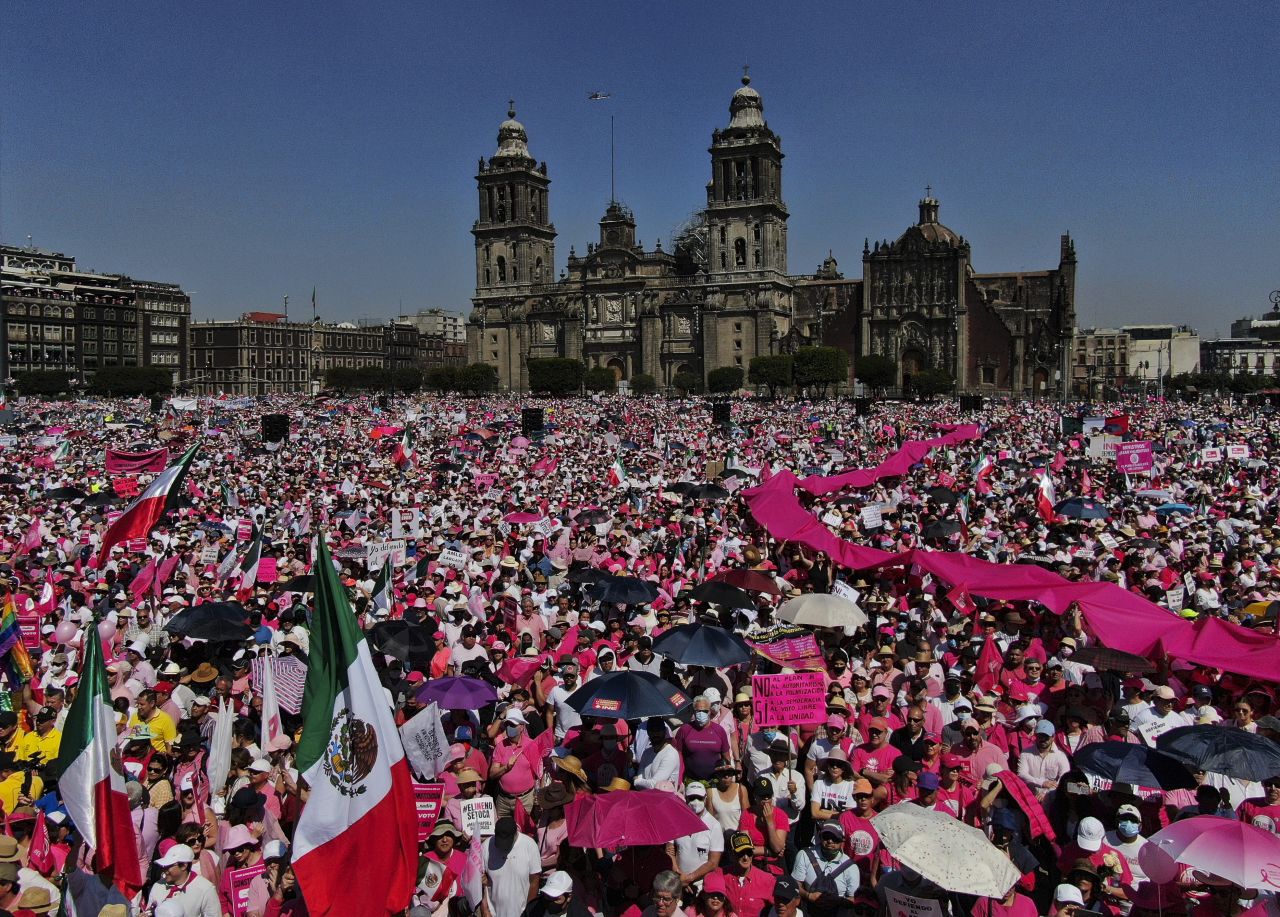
<point x="519" y="442"/>
<point x="521" y="518"/>
<point x="1233" y="850"/>
<point x="631" y="818"/>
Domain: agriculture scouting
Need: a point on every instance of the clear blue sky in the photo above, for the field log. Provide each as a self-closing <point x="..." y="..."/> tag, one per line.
<point x="247" y="149"/>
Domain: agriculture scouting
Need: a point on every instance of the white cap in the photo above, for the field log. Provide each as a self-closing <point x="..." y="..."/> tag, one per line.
<point x="1089" y="834"/>
<point x="514" y="715"/>
<point x="139" y="646"/>
<point x="1068" y="894"/>
<point x="275" y="850"/>
<point x="178" y="853"/>
<point x="557" y="884"/>
<point x="1026" y="712"/>
<point x="261" y="766"/>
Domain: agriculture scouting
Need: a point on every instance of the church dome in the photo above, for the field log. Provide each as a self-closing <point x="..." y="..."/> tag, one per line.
<point x="512" y="139"/>
<point x="747" y="108"/>
<point x="929" y="228"/>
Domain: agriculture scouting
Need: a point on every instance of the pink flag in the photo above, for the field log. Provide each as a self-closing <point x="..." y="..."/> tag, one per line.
<point x="40" y="853"/>
<point x="141" y="584"/>
<point x="1059" y="461"/>
<point x="987" y="673"/>
<point x="31" y="540"/>
<point x="163" y="572"/>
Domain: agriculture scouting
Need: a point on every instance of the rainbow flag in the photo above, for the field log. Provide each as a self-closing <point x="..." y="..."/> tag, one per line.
<point x="14" y="659"/>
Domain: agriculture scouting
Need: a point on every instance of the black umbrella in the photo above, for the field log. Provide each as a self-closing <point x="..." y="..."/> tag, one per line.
<point x="592" y="517"/>
<point x="707" y="491"/>
<point x="1139" y="765"/>
<point x="446" y="466"/>
<point x="718" y="593"/>
<point x="702" y="644"/>
<point x="624" y="590"/>
<point x="212" y="621"/>
<point x="735" y="473"/>
<point x="63" y="493"/>
<point x="586" y="575"/>
<point x="101" y="498"/>
<point x="1106" y="659"/>
<point x="680" y="487"/>
<point x="943" y="495"/>
<point x="1082" y="508"/>
<point x="1231" y="752"/>
<point x="941" y="528"/>
<point x="628" y="695"/>
<point x="305" y="582"/>
<point x="402" y="640"/>
<point x="8" y="478"/>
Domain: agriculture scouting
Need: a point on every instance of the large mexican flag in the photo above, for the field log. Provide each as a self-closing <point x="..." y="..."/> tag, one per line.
<point x="360" y="819"/>
<point x="92" y="781"/>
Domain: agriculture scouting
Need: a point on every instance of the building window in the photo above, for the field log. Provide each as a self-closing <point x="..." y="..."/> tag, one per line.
<point x="740" y="252"/>
<point x="988" y="375"/>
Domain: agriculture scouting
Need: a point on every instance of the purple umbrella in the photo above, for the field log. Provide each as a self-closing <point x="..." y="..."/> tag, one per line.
<point x="458" y="693"/>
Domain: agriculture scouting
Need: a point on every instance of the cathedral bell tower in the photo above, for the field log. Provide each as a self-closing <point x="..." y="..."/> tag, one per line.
<point x="515" y="239"/>
<point x="746" y="218"/>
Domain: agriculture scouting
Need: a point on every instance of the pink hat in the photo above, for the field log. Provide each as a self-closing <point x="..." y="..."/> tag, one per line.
<point x="239" y="836"/>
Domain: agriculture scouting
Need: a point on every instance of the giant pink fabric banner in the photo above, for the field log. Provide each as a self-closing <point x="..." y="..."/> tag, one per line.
<point x="1120" y="619"/>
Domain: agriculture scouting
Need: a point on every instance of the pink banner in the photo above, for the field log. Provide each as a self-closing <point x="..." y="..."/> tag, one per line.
<point x="132" y="462"/>
<point x="1132" y="458"/>
<point x="790" y="646"/>
<point x="798" y="699"/>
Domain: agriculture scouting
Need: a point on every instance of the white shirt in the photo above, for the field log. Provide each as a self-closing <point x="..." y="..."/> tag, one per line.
<point x="566" y="716"/>
<point x="509" y="874"/>
<point x="198" y="897"/>
<point x="658" y="766"/>
<point x="693" y="850"/>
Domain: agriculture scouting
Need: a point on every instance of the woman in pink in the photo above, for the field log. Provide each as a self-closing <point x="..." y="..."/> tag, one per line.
<point x="551" y="830"/>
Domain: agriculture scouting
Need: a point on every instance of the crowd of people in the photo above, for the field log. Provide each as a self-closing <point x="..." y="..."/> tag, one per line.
<point x="971" y="708"/>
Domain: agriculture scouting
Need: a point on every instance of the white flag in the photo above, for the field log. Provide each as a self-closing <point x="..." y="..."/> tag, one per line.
<point x="273" y="737"/>
<point x="425" y="743"/>
<point x="220" y="748"/>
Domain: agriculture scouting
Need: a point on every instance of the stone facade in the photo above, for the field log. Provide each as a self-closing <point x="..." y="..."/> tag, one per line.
<point x="721" y="294"/>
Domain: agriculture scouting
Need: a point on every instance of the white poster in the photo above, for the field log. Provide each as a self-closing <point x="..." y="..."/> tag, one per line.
<point x="872" y="517"/>
<point x="426" y="744"/>
<point x="379" y="551"/>
<point x="478" y="816"/>
<point x="845" y="591"/>
<point x="455" y="559"/>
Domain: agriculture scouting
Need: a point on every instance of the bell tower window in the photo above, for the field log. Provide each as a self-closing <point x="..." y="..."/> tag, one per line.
<point x="502" y="269"/>
<point x="740" y="252"/>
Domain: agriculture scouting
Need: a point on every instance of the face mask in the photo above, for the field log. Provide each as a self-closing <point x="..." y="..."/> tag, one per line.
<point x="698" y="805"/>
<point x="770" y="735"/>
<point x="513" y="731"/>
<point x="1127" y="829"/>
<point x="701" y="717"/>
<point x="715" y="708"/>
<point x="829" y="853"/>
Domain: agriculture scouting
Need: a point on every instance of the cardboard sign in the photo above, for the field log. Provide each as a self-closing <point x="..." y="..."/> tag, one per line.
<point x="1108" y="541"/>
<point x="378" y="552"/>
<point x="872" y="517"/>
<point x="789" y="700"/>
<point x="833" y="519"/>
<point x="478" y="816"/>
<point x="428" y="799"/>
<point x="267" y="572"/>
<point x="244" y="530"/>
<point x="1238" y="451"/>
<point x="1134" y="457"/>
<point x="1210" y="456"/>
<point x="543" y="527"/>
<point x="451" y="558"/>
<point x="845" y="591"/>
<point x="1175" y="598"/>
<point x="901" y="905"/>
<point x="1153" y="729"/>
<point x="239" y="880"/>
<point x="209" y="555"/>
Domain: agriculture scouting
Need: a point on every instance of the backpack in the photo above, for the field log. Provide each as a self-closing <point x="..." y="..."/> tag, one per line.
<point x="825" y="883"/>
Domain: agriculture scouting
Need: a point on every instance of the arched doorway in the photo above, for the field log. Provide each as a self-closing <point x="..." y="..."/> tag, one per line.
<point x="619" y="370"/>
<point x="912" y="363"/>
<point x="1040" y="382"/>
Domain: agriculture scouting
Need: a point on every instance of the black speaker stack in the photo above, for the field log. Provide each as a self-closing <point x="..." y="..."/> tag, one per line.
<point x="721" y="413"/>
<point x="531" y="422"/>
<point x="157" y="404"/>
<point x="972" y="402"/>
<point x="383" y="402"/>
<point x="275" y="427"/>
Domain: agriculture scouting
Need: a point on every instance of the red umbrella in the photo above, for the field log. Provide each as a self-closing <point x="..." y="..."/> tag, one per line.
<point x="631" y="818"/>
<point x="752" y="580"/>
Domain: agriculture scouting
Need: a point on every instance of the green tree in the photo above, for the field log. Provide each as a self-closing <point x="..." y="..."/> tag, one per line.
<point x="42" y="382"/>
<point x="442" y="378"/>
<point x="930" y="382"/>
<point x="687" y="382"/>
<point x="1243" y="383"/>
<point x="820" y="367"/>
<point x="600" y="379"/>
<point x="772" y="371"/>
<point x="344" y="378"/>
<point x="643" y="384"/>
<point x="476" y="378"/>
<point x="876" y="371"/>
<point x="556" y="375"/>
<point x="131" y="381"/>
<point x="724" y="379"/>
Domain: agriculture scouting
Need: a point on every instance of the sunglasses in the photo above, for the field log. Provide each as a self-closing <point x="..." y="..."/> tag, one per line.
<point x="971" y="732"/>
<point x="915" y="719"/>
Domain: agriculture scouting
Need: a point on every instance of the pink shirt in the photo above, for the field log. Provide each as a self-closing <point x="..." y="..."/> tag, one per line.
<point x="523" y="755"/>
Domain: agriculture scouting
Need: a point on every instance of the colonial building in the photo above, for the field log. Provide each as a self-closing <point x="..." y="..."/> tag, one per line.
<point x="722" y="294"/>
<point x="57" y="316"/>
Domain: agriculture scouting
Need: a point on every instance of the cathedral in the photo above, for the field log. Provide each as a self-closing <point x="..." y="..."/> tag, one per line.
<point x="721" y="294"/>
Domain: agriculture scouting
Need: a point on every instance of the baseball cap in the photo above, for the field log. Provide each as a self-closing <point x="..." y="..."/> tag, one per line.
<point x="178" y="853"/>
<point x="260" y="766"/>
<point x="1130" y="811"/>
<point x="831" y="828"/>
<point x="1164" y="692"/>
<point x="1068" y="894"/>
<point x="863" y="786"/>
<point x="881" y="691"/>
<point x="695" y="790"/>
<point x="1045" y="728"/>
<point x="878" y="722"/>
<point x="1089" y="834"/>
<point x="836" y="722"/>
<point x="928" y="781"/>
<point x="950" y="760"/>
<point x="785" y="890"/>
<point x="740" y="842"/>
<point x="557" y="884"/>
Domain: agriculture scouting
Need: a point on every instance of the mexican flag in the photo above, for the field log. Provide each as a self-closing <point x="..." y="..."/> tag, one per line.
<point x="1046" y="497"/>
<point x="404" y="449"/>
<point x="249" y="566"/>
<point x="145" y="513"/>
<point x="361" y="808"/>
<point x="91" y="781"/>
<point x="382" y="588"/>
<point x="62" y="450"/>
<point x="617" y="474"/>
<point x="230" y="500"/>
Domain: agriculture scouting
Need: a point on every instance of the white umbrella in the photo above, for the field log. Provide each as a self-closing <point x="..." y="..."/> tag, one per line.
<point x="821" y="610"/>
<point x="946" y="851"/>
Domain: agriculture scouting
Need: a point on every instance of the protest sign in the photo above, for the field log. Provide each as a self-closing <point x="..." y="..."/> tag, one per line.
<point x="427" y="799"/>
<point x="789" y="700"/>
<point x="126" y="485"/>
<point x="451" y="558"/>
<point x="1108" y="541"/>
<point x="789" y="645"/>
<point x="903" y="905"/>
<point x="1134" y="457"/>
<point x="1189" y="581"/>
<point x="238" y="880"/>
<point x="833" y="518"/>
<point x="1238" y="451"/>
<point x="244" y="530"/>
<point x="136" y="545"/>
<point x="1210" y="456"/>
<point x="267" y="570"/>
<point x="543" y="527"/>
<point x="845" y="591"/>
<point x="209" y="555"/>
<point x="1175" y="598"/>
<point x="1153" y="728"/>
<point x="478" y="816"/>
<point x="872" y="517"/>
<point x="379" y="551"/>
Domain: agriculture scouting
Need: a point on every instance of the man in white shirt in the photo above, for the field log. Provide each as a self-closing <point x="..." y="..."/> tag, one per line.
<point x="560" y="715"/>
<point x="512" y="870"/>
<point x="659" y="763"/>
<point x="699" y="853"/>
<point x="1043" y="766"/>
<point x="195" y="893"/>
<point x="1128" y="839"/>
<point x="1160" y="717"/>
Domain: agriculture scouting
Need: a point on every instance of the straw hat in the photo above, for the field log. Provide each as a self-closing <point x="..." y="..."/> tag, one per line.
<point x="571" y="765"/>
